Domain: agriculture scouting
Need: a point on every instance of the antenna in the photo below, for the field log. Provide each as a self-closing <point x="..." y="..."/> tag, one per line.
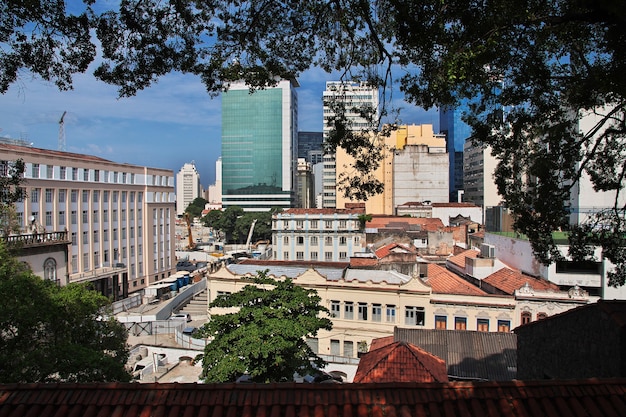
<point x="62" y="132"/>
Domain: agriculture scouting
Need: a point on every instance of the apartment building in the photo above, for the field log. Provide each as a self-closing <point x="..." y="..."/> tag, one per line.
<point x="369" y="304"/>
<point x="188" y="187"/>
<point x="119" y="217"/>
<point x="329" y="235"/>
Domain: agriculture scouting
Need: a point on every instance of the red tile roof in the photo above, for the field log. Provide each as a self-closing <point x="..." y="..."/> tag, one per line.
<point x="381" y="342"/>
<point x="443" y="281"/>
<point x="356" y="262"/>
<point x="508" y="280"/>
<point x="459" y="260"/>
<point x="426" y="223"/>
<point x="455" y="204"/>
<point x="394" y="247"/>
<point x="553" y="398"/>
<point x="400" y="362"/>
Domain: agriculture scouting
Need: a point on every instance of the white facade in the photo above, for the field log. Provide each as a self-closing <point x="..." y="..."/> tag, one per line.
<point x="188" y="187"/>
<point x="517" y="253"/>
<point x="354" y="96"/>
<point x="319" y="235"/>
<point x="119" y="217"/>
<point x="215" y="190"/>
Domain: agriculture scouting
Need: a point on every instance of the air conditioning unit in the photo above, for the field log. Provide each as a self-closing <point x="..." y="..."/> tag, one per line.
<point x="487" y="251"/>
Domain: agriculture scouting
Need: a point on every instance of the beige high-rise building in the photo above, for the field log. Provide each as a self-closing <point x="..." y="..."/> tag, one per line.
<point x="478" y="182"/>
<point x="414" y="168"/>
<point x="119" y="217"/>
<point x="188" y="187"/>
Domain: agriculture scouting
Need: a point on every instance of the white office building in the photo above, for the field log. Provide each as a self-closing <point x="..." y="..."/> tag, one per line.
<point x="353" y="97"/>
<point x="188" y="187"/>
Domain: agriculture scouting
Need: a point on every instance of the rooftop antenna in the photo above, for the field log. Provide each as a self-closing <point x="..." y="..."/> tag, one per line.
<point x="62" y="132"/>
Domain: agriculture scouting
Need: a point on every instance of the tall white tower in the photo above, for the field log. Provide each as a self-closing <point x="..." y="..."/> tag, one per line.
<point x="353" y="97"/>
<point x="188" y="187"/>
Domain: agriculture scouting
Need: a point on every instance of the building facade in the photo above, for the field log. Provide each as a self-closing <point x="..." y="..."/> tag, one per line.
<point x="119" y="217"/>
<point x="456" y="132"/>
<point x="188" y="187"/>
<point x="214" y="192"/>
<point x="479" y="167"/>
<point x="414" y="168"/>
<point x="329" y="235"/>
<point x="310" y="146"/>
<point x="354" y="99"/>
<point x="305" y="190"/>
<point x="259" y="144"/>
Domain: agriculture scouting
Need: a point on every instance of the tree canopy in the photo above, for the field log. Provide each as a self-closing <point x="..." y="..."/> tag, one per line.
<point x="265" y="336"/>
<point x="196" y="207"/>
<point x="528" y="68"/>
<point x="55" y="334"/>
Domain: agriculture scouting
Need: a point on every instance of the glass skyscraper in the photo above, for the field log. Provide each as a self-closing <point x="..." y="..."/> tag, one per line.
<point x="259" y="139"/>
<point x="456" y="132"/>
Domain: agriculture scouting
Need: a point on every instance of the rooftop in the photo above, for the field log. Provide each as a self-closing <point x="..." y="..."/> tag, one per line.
<point x="555" y="398"/>
<point x="443" y="281"/>
<point x="508" y="280"/>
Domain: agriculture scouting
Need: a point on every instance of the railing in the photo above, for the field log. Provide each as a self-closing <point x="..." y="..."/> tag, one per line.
<point x="45" y="238"/>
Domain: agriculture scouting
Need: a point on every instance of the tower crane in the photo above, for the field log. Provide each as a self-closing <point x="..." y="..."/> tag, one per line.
<point x="62" y="132"/>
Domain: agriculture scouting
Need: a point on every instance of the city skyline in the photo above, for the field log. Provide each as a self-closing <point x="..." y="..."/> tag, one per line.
<point x="165" y="126"/>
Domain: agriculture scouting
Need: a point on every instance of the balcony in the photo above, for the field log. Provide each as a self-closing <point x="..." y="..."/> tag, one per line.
<point x="37" y="239"/>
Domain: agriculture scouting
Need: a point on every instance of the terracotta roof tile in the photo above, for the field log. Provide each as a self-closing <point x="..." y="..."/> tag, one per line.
<point x="362" y="262"/>
<point x="459" y="260"/>
<point x="381" y="342"/>
<point x="590" y="398"/>
<point x="426" y="223"/>
<point x="394" y="247"/>
<point x="443" y="281"/>
<point x="400" y="362"/>
<point x="508" y="280"/>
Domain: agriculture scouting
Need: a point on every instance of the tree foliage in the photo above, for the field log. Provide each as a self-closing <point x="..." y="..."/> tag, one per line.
<point x="265" y="336"/>
<point x="528" y="68"/>
<point x="53" y="334"/>
<point x="196" y="207"/>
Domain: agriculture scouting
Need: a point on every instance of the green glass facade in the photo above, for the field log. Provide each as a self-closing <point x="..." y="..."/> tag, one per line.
<point x="253" y="149"/>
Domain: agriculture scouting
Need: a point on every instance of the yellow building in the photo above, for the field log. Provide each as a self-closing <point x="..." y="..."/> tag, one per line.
<point x="414" y="168"/>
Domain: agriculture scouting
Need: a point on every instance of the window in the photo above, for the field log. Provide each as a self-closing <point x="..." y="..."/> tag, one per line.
<point x="48" y="195"/>
<point x="343" y="240"/>
<point x="35" y="171"/>
<point x="300" y="240"/>
<point x="526" y="317"/>
<point x="132" y="193"/>
<point x="85" y="174"/>
<point x="541" y="316"/>
<point x="62" y="172"/>
<point x="61" y="218"/>
<point x="391" y="313"/>
<point x="482" y="325"/>
<point x="105" y="196"/>
<point x="335" y="309"/>
<point x="414" y="316"/>
<point x="313" y="240"/>
<point x="85" y="217"/>
<point x="96" y="237"/>
<point x="114" y="215"/>
<point x="74" y="174"/>
<point x="85" y="237"/>
<point x="50" y="269"/>
<point x="348" y="310"/>
<point x="328" y="256"/>
<point x="334" y="347"/>
<point x="48" y="218"/>
<point x="285" y="240"/>
<point x="299" y="224"/>
<point x="74" y="196"/>
<point x="314" y="256"/>
<point x="460" y="323"/>
<point x="85" y="196"/>
<point x="348" y="348"/>
<point x="74" y="262"/>
<point x="314" y="224"/>
<point x="34" y="195"/>
<point x="328" y="241"/>
<point x="73" y="217"/>
<point x="285" y="256"/>
<point x="362" y="311"/>
<point x="342" y="224"/>
<point x="61" y="196"/>
<point x="115" y="196"/>
<point x="441" y="322"/>
<point x="124" y="193"/>
<point x="85" y="261"/>
<point x="504" y="326"/>
<point x="377" y="312"/>
<point x="105" y="215"/>
<point x="95" y="216"/>
<point x="123" y="215"/>
<point x="328" y="224"/>
<point x="96" y="175"/>
<point x="96" y="196"/>
<point x="74" y="241"/>
<point x="343" y="256"/>
<point x="300" y="256"/>
<point x="49" y="172"/>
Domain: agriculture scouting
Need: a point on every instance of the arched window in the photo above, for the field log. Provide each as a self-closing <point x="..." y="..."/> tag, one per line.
<point x="541" y="316"/>
<point x="526" y="317"/>
<point x="50" y="269"/>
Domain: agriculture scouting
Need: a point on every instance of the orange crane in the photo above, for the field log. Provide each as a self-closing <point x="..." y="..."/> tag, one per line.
<point x="191" y="245"/>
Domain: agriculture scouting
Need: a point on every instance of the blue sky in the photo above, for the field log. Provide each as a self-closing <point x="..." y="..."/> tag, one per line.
<point x="173" y="122"/>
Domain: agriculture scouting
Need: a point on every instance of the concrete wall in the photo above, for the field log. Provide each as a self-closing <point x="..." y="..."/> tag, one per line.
<point x="420" y="173"/>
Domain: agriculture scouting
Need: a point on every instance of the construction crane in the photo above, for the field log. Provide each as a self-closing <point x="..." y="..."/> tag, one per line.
<point x="191" y="245"/>
<point x="62" y="132"/>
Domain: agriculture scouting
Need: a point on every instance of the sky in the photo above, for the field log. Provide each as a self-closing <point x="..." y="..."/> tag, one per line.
<point x="164" y="126"/>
